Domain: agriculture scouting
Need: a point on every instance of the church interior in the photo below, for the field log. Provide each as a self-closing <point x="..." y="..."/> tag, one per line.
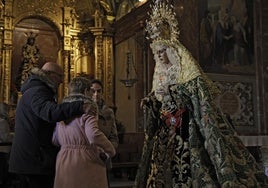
<point x="106" y="39"/>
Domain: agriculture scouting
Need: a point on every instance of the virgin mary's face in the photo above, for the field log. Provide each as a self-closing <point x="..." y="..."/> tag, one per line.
<point x="162" y="55"/>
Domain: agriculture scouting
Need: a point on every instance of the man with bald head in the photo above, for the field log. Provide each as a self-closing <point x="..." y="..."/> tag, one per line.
<point x="32" y="155"/>
<point x="54" y="73"/>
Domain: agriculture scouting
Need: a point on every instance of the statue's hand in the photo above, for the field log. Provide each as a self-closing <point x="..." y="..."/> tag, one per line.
<point x="144" y="102"/>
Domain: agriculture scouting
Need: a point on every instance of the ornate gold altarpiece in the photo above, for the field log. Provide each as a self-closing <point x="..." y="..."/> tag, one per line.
<point x="78" y="37"/>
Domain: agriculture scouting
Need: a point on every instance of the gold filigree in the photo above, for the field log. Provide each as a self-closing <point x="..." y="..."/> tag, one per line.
<point x="163" y="24"/>
<point x="39" y="7"/>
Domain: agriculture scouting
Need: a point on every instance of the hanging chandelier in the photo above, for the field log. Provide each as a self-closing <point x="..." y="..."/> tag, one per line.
<point x="131" y="73"/>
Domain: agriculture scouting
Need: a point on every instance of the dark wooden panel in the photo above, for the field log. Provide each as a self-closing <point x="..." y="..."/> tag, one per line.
<point x="187" y="13"/>
<point x="131" y="23"/>
<point x="262" y="77"/>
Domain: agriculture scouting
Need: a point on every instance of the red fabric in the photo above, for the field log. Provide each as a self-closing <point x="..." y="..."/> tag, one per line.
<point x="168" y="117"/>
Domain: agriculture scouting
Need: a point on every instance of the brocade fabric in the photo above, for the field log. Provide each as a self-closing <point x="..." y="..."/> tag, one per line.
<point x="203" y="152"/>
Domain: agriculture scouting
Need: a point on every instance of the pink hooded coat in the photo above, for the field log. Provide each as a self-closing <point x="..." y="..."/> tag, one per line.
<point x="78" y="162"/>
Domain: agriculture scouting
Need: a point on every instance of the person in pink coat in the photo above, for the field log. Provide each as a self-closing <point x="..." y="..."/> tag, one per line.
<point x="84" y="148"/>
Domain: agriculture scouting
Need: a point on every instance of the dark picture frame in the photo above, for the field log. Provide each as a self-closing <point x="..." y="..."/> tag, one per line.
<point x="226" y="36"/>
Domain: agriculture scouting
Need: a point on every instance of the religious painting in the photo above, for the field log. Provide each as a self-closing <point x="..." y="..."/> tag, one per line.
<point x="227" y="36"/>
<point x="237" y="101"/>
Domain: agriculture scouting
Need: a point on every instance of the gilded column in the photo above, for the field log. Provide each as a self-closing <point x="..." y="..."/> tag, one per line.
<point x="98" y="50"/>
<point x="104" y="58"/>
<point x="66" y="68"/>
<point x="108" y="70"/>
<point x="74" y="57"/>
<point x="67" y="27"/>
<point x="7" y="51"/>
<point x="1" y="51"/>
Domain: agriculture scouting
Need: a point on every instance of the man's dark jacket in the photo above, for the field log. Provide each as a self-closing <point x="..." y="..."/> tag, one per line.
<point x="36" y="115"/>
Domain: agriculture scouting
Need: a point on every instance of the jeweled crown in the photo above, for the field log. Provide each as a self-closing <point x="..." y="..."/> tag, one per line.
<point x="162" y="24"/>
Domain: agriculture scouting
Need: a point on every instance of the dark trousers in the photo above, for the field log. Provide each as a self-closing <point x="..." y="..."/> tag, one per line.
<point x="36" y="181"/>
<point x="3" y="168"/>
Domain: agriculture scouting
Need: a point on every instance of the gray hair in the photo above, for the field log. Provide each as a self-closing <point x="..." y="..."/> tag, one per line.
<point x="79" y="85"/>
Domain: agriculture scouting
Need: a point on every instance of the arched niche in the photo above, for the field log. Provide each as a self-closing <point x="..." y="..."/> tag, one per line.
<point x="46" y="40"/>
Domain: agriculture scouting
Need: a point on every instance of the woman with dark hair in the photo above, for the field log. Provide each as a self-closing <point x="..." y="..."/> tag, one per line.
<point x="106" y="121"/>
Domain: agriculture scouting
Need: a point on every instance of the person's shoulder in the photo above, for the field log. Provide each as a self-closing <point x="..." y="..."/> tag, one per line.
<point x="34" y="84"/>
<point x="107" y="109"/>
<point x="78" y="97"/>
